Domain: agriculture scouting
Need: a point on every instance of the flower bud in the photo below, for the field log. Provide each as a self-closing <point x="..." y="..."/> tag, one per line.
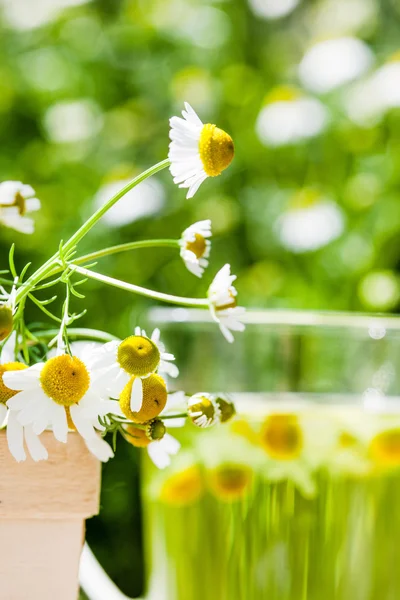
<point x="149" y="432"/>
<point x="226" y="407"/>
<point x="203" y="410"/>
<point x="6" y="322"/>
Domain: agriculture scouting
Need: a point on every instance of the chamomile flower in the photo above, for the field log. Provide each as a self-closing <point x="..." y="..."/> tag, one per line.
<point x="59" y="394"/>
<point x="197" y="151"/>
<point x="16" y="201"/>
<point x="195" y="247"/>
<point x="222" y="298"/>
<point x="16" y="434"/>
<point x="129" y="362"/>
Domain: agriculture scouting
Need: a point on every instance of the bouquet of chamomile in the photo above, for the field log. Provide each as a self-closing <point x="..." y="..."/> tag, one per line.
<point x="94" y="388"/>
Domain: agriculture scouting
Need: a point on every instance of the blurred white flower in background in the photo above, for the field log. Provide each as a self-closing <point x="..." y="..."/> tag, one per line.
<point x="332" y="63"/>
<point x="290" y="119"/>
<point x="368" y="100"/>
<point x="17" y="200"/>
<point x="29" y="14"/>
<point x="342" y="17"/>
<point x="309" y="223"/>
<point x="67" y="122"/>
<point x="144" y="200"/>
<point x="203" y="26"/>
<point x="272" y="9"/>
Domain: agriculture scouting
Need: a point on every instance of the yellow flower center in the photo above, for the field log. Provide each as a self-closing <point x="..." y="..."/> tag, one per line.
<point x="230" y="304"/>
<point x="182" y="488"/>
<point x="65" y="379"/>
<point x="281" y="437"/>
<point x="230" y="481"/>
<point x="5" y="392"/>
<point x="216" y="149"/>
<point x="138" y="355"/>
<point x="20" y="203"/>
<point x="385" y="448"/>
<point x="154" y="399"/>
<point x="6" y="322"/>
<point x="198" y="247"/>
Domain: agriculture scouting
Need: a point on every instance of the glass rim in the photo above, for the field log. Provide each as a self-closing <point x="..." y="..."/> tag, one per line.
<point x="280" y="316"/>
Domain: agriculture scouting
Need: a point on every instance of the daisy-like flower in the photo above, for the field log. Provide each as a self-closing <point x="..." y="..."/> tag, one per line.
<point x="195" y="247"/>
<point x="60" y="394"/>
<point x="16" y="201"/>
<point x="15" y="431"/>
<point x="223" y="307"/>
<point x="197" y="151"/>
<point x="130" y="362"/>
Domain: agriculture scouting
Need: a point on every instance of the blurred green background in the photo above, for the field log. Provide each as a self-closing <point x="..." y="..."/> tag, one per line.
<point x="308" y="214"/>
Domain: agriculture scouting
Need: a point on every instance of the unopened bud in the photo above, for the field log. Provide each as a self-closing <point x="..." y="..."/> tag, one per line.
<point x="6" y="322"/>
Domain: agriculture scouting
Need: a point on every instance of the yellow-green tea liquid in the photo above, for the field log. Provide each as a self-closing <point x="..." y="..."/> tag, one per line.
<point x="285" y="503"/>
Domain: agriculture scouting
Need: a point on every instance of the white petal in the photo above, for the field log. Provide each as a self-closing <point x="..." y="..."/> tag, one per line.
<point x="100" y="448"/>
<point x="178" y="422"/>
<point x="35" y="446"/>
<point x="155" y="336"/>
<point x="158" y="455"/>
<point x="3" y="413"/>
<point x="32" y="205"/>
<point x="15" y="438"/>
<point x="176" y="401"/>
<point x="8" y="350"/>
<point x="169" y="368"/>
<point x="170" y="444"/>
<point x="83" y="425"/>
<point x="35" y="404"/>
<point x="23" y="380"/>
<point x="20" y="400"/>
<point x="59" y="423"/>
<point x="226" y="333"/>
<point x="136" y="395"/>
<point x="43" y="415"/>
<point x="21" y="224"/>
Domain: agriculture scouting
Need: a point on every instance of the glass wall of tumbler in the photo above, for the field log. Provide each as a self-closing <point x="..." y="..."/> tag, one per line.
<point x="295" y="498"/>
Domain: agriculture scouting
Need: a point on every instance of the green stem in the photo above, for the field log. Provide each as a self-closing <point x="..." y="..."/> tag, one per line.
<point x="49" y="265"/>
<point x="130" y="287"/>
<point x="125" y="248"/>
